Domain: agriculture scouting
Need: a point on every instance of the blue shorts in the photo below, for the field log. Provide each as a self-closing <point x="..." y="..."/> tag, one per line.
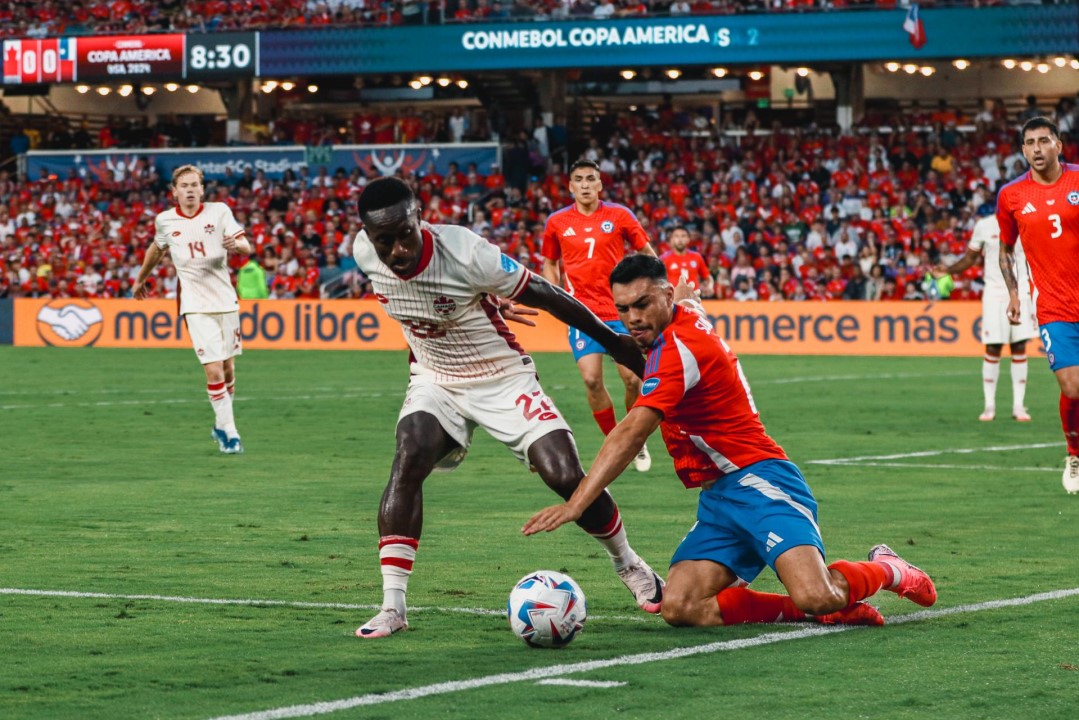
<point x="749" y="518"/>
<point x="582" y="345"/>
<point x="1061" y="343"/>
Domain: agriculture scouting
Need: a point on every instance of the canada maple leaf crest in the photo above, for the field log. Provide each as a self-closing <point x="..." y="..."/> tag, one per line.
<point x="444" y="305"/>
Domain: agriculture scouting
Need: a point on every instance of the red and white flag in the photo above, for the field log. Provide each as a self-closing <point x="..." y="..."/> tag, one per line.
<point x="914" y="28"/>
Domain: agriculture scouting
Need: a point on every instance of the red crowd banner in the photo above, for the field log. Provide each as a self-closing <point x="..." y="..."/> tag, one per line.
<point x="752" y="328"/>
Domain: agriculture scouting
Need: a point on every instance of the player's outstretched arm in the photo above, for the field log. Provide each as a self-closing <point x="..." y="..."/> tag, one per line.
<point x="619" y="449"/>
<point x="969" y="259"/>
<point x="561" y="304"/>
<point x="543" y="295"/>
<point x="153" y="256"/>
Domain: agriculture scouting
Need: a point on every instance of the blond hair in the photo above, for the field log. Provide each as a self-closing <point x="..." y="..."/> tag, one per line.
<point x="183" y="170"/>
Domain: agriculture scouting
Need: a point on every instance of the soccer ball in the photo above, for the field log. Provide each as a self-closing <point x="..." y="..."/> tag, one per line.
<point x="546" y="609"/>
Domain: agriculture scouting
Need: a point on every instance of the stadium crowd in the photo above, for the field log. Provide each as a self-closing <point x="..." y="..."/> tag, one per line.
<point x="783" y="213"/>
<point x="50" y="18"/>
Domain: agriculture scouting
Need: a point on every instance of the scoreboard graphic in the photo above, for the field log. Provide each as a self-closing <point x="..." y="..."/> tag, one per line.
<point x="31" y="62"/>
<point x="130" y="57"/>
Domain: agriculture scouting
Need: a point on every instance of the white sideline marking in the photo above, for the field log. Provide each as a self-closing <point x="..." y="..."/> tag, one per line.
<point x="930" y="453"/>
<point x="334" y="396"/>
<point x="582" y="683"/>
<point x="182" y="401"/>
<point x="844" y="378"/>
<point x="931" y="466"/>
<point x="554" y="671"/>
<point x="873" y="460"/>
<point x="251" y="602"/>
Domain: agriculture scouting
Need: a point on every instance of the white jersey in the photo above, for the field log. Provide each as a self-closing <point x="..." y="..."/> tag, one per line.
<point x="447" y="307"/>
<point x="986" y="240"/>
<point x="198" y="252"/>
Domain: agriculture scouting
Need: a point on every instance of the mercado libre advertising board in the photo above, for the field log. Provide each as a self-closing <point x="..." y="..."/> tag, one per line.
<point x="130" y="57"/>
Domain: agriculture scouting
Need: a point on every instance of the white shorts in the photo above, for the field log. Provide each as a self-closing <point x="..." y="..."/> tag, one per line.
<point x="996" y="330"/>
<point x="513" y="409"/>
<point x="215" y="336"/>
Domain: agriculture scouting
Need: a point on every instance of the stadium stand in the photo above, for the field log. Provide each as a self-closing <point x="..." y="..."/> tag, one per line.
<point x="787" y="213"/>
<point x="779" y="207"/>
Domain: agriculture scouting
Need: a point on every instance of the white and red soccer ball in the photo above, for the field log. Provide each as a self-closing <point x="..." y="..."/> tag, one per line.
<point x="546" y="609"/>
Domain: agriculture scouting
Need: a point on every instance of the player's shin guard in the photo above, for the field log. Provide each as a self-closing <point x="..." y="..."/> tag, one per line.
<point x="396" y="555"/>
<point x="1019" y="381"/>
<point x="221" y="402"/>
<point x="864" y="578"/>
<point x="612" y="537"/>
<point x="990" y="375"/>
<point x="606" y="420"/>
<point x="1069" y="421"/>
<point x="739" y="605"/>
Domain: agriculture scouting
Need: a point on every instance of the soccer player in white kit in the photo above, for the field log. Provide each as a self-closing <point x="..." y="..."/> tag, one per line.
<point x="442" y="283"/>
<point x="199" y="238"/>
<point x="996" y="330"/>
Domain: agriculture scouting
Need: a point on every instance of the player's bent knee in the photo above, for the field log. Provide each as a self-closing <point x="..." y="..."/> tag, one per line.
<point x="819" y="600"/>
<point x="1070" y="389"/>
<point x="680" y="609"/>
<point x="675" y="612"/>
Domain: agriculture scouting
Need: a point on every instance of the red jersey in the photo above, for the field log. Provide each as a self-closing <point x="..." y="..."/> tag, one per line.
<point x="1046" y="217"/>
<point x="590" y="246"/>
<point x="690" y="262"/>
<point x="710" y="424"/>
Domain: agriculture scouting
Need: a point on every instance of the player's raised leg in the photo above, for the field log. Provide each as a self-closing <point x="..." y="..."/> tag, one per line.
<point x="421" y="443"/>
<point x="555" y="458"/>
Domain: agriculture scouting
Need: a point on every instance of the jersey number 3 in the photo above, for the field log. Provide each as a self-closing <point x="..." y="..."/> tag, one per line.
<point x="1058" y="229"/>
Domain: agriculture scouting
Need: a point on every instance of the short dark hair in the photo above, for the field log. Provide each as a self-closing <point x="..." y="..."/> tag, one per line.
<point x="584" y="163"/>
<point x="637" y="266"/>
<point x="383" y="193"/>
<point x="1039" y="122"/>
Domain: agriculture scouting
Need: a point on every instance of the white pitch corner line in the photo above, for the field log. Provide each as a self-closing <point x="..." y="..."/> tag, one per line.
<point x="557" y="671"/>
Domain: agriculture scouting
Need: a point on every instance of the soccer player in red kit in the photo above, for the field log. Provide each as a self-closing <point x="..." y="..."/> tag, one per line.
<point x="683" y="262"/>
<point x="1042" y="207"/>
<point x="754" y="509"/>
<point x="589" y="237"/>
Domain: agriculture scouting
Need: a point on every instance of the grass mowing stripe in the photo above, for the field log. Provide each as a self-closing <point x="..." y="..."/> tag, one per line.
<point x="553" y="671"/>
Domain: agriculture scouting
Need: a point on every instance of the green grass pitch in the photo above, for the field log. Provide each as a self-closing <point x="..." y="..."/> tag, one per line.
<point x="120" y="523"/>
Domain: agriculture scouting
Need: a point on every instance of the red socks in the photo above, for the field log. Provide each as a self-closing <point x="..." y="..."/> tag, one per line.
<point x="605" y="420"/>
<point x="864" y="578"/>
<point x="740" y="605"/>
<point x="1069" y="421"/>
